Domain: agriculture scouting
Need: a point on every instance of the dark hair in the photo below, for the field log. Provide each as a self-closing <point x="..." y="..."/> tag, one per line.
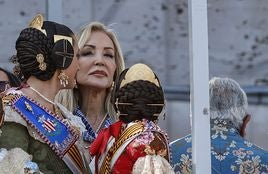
<point x="13" y="80"/>
<point x="32" y="42"/>
<point x="139" y="94"/>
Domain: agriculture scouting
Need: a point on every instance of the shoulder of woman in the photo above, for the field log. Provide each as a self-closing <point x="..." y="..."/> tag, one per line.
<point x="10" y="114"/>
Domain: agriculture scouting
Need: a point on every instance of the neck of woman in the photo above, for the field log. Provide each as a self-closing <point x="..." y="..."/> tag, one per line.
<point x="43" y="92"/>
<point x="93" y="105"/>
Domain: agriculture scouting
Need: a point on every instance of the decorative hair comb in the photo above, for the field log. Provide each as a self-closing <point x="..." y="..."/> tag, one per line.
<point x="37" y="23"/>
<point x="139" y="72"/>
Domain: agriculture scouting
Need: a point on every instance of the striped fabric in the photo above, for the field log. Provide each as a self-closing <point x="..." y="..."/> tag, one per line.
<point x="77" y="158"/>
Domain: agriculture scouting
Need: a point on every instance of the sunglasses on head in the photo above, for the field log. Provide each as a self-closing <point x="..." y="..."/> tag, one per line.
<point x="4" y="85"/>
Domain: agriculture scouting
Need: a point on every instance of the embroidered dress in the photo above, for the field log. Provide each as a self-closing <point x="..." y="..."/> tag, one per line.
<point x="133" y="148"/>
<point x="230" y="153"/>
<point x="51" y="141"/>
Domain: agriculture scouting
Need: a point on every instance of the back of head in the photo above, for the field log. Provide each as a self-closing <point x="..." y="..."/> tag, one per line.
<point x="227" y="100"/>
<point x="42" y="48"/>
<point x="138" y="94"/>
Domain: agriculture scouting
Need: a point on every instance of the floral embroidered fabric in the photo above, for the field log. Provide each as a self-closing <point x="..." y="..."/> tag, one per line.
<point x="230" y="153"/>
<point x="152" y="141"/>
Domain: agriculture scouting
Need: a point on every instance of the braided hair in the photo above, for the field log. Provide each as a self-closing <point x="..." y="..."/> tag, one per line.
<point x="135" y="97"/>
<point x="32" y="42"/>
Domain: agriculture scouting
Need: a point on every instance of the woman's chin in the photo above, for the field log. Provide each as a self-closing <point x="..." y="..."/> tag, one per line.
<point x="97" y="84"/>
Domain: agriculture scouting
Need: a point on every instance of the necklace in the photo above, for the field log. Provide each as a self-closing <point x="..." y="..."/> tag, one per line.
<point x="41" y="95"/>
<point x="97" y="130"/>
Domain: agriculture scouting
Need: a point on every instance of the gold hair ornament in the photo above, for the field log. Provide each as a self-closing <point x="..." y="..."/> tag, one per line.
<point x="139" y="72"/>
<point x="129" y="104"/>
<point x="37" y="23"/>
<point x="60" y="37"/>
<point x="40" y="59"/>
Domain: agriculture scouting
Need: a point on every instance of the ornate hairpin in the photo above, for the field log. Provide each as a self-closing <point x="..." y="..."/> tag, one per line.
<point x="118" y="113"/>
<point x="60" y="37"/>
<point x="139" y="72"/>
<point x="156" y="104"/>
<point x="40" y="59"/>
<point x="129" y="104"/>
<point x="37" y="23"/>
<point x="119" y="103"/>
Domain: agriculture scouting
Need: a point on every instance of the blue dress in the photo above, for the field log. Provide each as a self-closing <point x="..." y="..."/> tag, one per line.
<point x="230" y="153"/>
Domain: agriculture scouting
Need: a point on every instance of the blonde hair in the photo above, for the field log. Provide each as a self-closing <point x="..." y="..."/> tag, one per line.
<point x="69" y="98"/>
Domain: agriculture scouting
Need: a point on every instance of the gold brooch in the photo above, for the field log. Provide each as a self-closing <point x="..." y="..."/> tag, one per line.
<point x="40" y="59"/>
<point x="28" y="107"/>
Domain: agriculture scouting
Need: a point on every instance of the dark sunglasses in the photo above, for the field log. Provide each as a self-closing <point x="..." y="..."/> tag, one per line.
<point x="4" y="85"/>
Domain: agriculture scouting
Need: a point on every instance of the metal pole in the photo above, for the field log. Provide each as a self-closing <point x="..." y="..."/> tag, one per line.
<point x="54" y="10"/>
<point x="198" y="44"/>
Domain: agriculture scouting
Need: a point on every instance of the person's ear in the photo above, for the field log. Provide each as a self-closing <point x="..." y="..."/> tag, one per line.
<point x="246" y="119"/>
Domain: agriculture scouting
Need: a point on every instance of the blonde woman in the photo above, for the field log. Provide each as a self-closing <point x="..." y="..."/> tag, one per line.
<point x="101" y="62"/>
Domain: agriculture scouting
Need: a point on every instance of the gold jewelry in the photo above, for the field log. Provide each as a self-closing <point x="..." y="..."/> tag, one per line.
<point x="63" y="79"/>
<point x="40" y="59"/>
<point x="129" y="104"/>
<point x="60" y="37"/>
<point x="28" y="107"/>
<point x="56" y="109"/>
<point x="139" y="72"/>
<point x="117" y="103"/>
<point x="75" y="85"/>
<point x="37" y="23"/>
<point x="156" y="104"/>
<point x="41" y="95"/>
<point x="152" y="104"/>
<point x="98" y="128"/>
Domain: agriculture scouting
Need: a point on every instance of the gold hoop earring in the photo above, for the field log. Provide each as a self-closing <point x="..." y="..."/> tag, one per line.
<point x="63" y="79"/>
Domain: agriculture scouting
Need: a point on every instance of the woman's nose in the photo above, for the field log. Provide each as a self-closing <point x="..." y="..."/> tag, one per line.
<point x="99" y="60"/>
<point x="99" y="63"/>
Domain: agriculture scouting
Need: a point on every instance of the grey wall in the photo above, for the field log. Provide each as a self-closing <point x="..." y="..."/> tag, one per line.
<point x="155" y="32"/>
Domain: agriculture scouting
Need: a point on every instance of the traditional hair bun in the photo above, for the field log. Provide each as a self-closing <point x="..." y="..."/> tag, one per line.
<point x="138" y="94"/>
<point x="44" y="47"/>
